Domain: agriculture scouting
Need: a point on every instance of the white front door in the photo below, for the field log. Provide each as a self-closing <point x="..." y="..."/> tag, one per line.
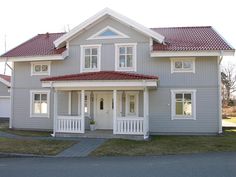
<point x="104" y="110"/>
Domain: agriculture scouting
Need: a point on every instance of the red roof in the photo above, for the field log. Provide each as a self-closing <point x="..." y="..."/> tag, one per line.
<point x="190" y="39"/>
<point x="5" y="77"/>
<point x="40" y="45"/>
<point x="101" y="75"/>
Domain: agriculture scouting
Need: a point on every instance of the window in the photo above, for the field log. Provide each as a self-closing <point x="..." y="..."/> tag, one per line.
<point x="101" y="104"/>
<point x="90" y="58"/>
<point x="126" y="57"/>
<point x="86" y="103"/>
<point x="108" y="33"/>
<point x="40" y="68"/>
<point x="183" y="104"/>
<point x="131" y="103"/>
<point x="39" y="103"/>
<point x="182" y="65"/>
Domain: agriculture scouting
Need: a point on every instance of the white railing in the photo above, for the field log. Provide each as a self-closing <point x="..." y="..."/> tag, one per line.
<point x="70" y="124"/>
<point x="129" y="125"/>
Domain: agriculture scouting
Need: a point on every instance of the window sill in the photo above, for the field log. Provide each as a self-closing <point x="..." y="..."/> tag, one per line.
<point x="89" y="70"/>
<point x="183" y="118"/>
<point x="125" y="69"/>
<point x="39" y="116"/>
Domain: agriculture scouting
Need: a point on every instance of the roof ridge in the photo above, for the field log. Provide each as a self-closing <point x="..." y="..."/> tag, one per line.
<point x="51" y="33"/>
<point x="176" y="27"/>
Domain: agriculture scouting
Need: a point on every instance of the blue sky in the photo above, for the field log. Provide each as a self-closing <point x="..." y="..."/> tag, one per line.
<point x="21" y="20"/>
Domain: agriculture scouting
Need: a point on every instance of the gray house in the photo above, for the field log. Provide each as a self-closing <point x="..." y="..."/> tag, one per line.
<point x="5" y="105"/>
<point x="130" y="79"/>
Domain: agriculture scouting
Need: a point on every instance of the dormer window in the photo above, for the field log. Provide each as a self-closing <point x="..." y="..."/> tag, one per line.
<point x="90" y="58"/>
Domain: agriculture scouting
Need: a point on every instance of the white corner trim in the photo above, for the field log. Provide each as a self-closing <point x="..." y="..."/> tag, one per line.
<point x="134" y="45"/>
<point x="115" y="15"/>
<point x="193" y="93"/>
<point x="8" y="84"/>
<point x="192" y="53"/>
<point x="136" y="98"/>
<point x="118" y="36"/>
<point x="182" y="59"/>
<point x="48" y="103"/>
<point x="82" y="47"/>
<point x="69" y="103"/>
<point x="48" y="63"/>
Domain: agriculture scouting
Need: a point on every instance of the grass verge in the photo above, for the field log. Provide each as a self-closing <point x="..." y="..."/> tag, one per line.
<point x="38" y="147"/>
<point x="162" y="145"/>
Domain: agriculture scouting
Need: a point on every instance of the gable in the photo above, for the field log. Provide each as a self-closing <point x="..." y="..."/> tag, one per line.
<point x="108" y="33"/>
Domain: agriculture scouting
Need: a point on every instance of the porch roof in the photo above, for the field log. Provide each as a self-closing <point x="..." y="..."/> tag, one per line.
<point x="101" y="75"/>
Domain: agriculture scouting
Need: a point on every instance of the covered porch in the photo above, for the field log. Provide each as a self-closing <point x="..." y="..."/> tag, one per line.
<point x="118" y="107"/>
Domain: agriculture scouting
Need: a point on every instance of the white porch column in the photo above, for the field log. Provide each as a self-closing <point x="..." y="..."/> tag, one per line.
<point x="55" y="94"/>
<point x="146" y="112"/>
<point x="82" y="110"/>
<point x="69" y="103"/>
<point x="114" y="110"/>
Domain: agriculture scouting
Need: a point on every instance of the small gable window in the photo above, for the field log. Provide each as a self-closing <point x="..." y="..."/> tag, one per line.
<point x="182" y="65"/>
<point x="40" y="68"/>
<point x="108" y="33"/>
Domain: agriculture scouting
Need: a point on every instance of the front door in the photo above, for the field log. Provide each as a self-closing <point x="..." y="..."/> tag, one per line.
<point x="104" y="110"/>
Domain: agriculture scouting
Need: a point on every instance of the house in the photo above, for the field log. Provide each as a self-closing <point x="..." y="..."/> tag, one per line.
<point x="128" y="78"/>
<point x="5" y="105"/>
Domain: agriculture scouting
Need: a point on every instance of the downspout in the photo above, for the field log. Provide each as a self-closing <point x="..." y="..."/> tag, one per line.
<point x="219" y="92"/>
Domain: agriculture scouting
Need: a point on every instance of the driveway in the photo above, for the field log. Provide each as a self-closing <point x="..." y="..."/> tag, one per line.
<point x="198" y="165"/>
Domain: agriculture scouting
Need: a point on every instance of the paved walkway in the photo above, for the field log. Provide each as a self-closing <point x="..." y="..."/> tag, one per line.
<point x="81" y="149"/>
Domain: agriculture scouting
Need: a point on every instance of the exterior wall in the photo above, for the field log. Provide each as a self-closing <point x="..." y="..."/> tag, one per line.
<point x="4" y="90"/>
<point x="204" y="80"/>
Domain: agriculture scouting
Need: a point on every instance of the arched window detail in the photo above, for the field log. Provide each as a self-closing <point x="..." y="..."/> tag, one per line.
<point x="101" y="104"/>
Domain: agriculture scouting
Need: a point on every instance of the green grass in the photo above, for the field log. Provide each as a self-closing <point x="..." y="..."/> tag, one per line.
<point x="4" y="127"/>
<point x="38" y="147"/>
<point x="161" y="145"/>
<point x="230" y="119"/>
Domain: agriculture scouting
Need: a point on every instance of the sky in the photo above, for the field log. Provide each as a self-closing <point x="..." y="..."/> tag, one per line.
<point x="21" y="20"/>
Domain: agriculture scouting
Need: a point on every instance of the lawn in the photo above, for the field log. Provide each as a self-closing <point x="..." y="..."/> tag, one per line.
<point x="162" y="145"/>
<point x="230" y="119"/>
<point x="4" y="127"/>
<point x="38" y="147"/>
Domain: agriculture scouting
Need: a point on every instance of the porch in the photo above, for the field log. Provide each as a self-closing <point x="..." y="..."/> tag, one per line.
<point x="118" y="102"/>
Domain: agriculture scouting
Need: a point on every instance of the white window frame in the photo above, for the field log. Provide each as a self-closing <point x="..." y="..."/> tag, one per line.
<point x="96" y="35"/>
<point x="136" y="97"/>
<point x="82" y="58"/>
<point x="173" y="104"/>
<point x="33" y="64"/>
<point x="88" y="94"/>
<point x="134" y="67"/>
<point x="182" y="70"/>
<point x="32" y="92"/>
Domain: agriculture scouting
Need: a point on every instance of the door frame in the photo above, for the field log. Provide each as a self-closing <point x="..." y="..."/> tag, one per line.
<point x="96" y="93"/>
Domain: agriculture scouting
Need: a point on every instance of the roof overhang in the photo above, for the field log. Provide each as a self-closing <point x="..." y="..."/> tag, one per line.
<point x="8" y="84"/>
<point x="108" y="12"/>
<point x="192" y="53"/>
<point x="101" y="85"/>
<point x="35" y="58"/>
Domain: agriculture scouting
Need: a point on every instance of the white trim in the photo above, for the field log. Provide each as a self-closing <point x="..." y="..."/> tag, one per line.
<point x="193" y="100"/>
<point x="134" y="62"/>
<point x="33" y="73"/>
<point x="182" y="70"/>
<point x="146" y="113"/>
<point x="114" y="110"/>
<point x="8" y="84"/>
<point x="55" y="116"/>
<point x="38" y="58"/>
<point x="82" y="47"/>
<point x="69" y="103"/>
<point x="107" y="12"/>
<point x="5" y="97"/>
<point x="102" y="84"/>
<point x="219" y="95"/>
<point x="88" y="94"/>
<point x="192" y="53"/>
<point x="119" y="34"/>
<point x="48" y="103"/>
<point x="82" y="110"/>
<point x="12" y="95"/>
<point x="136" y="98"/>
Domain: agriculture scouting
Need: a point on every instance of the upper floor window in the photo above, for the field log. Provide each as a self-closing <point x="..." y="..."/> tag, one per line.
<point x="40" y="68"/>
<point x="125" y="57"/>
<point x="182" y="65"/>
<point x="183" y="104"/>
<point x="39" y="103"/>
<point x="90" y="58"/>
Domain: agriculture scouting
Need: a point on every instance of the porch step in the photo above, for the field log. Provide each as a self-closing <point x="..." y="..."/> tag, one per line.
<point x="104" y="134"/>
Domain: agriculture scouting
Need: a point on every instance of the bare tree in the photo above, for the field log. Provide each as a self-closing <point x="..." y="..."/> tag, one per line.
<point x="228" y="79"/>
